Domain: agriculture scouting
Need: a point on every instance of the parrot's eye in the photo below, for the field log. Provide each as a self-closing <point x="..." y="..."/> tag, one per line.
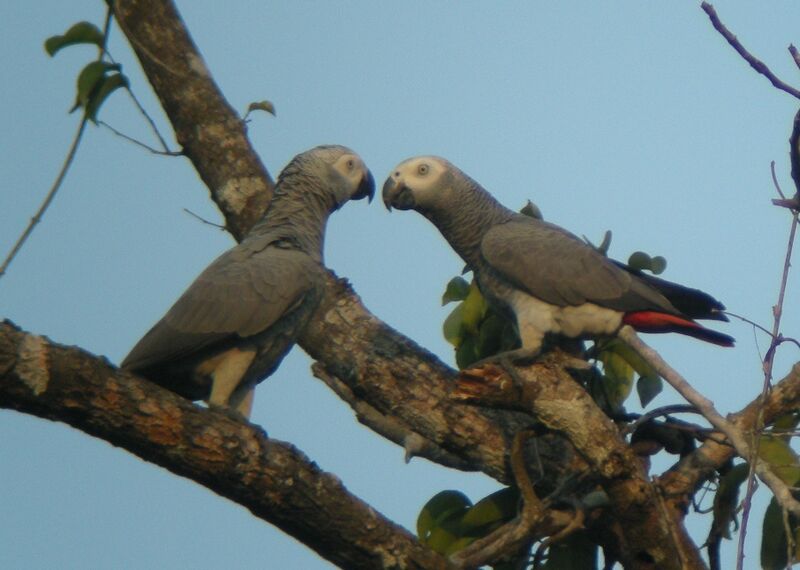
<point x="422" y="169"/>
<point x="351" y="164"/>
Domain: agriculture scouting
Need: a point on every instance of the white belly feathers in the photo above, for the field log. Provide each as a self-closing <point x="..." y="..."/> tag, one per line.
<point x="535" y="318"/>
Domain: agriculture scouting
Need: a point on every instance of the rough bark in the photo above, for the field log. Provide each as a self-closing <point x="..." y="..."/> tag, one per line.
<point x="646" y="533"/>
<point x="396" y="388"/>
<point x="209" y="131"/>
<point x="233" y="458"/>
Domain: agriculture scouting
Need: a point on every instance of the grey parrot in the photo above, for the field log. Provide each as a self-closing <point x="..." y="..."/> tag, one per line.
<point x="234" y="324"/>
<point x="539" y="274"/>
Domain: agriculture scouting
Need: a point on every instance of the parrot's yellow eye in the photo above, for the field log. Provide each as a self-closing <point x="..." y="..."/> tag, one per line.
<point x="351" y="164"/>
<point x="422" y="169"/>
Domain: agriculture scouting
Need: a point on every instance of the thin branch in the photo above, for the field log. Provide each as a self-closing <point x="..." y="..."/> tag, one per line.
<point x="749" y="322"/>
<point x="658" y="412"/>
<point x="754" y="62"/>
<point x="205" y="221"/>
<point x="795" y="54"/>
<point x="152" y="124"/>
<point x="781" y="491"/>
<point x="775" y="180"/>
<point x="37" y="217"/>
<point x="769" y="358"/>
<point x="138" y="142"/>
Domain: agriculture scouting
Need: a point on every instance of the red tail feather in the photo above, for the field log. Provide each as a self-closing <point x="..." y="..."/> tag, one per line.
<point x="654" y="322"/>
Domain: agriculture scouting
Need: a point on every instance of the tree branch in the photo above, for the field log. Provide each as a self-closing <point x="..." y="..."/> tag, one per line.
<point x="732" y="432"/>
<point x="693" y="470"/>
<point x="212" y="135"/>
<point x="235" y="459"/>
<point x="754" y="62"/>
<point x="549" y="393"/>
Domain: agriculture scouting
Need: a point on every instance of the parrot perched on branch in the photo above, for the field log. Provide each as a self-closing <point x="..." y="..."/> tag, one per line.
<point x="234" y="324"/>
<point x="545" y="278"/>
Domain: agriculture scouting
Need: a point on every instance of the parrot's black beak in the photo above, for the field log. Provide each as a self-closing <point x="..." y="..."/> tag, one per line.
<point x="366" y="189"/>
<point x="398" y="195"/>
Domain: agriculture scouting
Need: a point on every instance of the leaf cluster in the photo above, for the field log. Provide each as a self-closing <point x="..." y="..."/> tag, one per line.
<point x="98" y="79"/>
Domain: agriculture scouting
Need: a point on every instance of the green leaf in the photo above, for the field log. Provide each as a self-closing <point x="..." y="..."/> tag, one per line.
<point x="773" y="539"/>
<point x="474" y="307"/>
<point x="595" y="499"/>
<point x="446" y="505"/>
<point x="107" y="85"/>
<point x="639" y="364"/>
<point x="80" y="33"/>
<point x="467" y="352"/>
<point x="87" y="80"/>
<point x="658" y="264"/>
<point x="604" y="245"/>
<point x="618" y="378"/>
<point x="726" y="499"/>
<point x="265" y="105"/>
<point x="452" y="329"/>
<point x="490" y="335"/>
<point x="457" y="290"/>
<point x="446" y="538"/>
<point x="532" y="210"/>
<point x="648" y="387"/>
<point x="640" y="260"/>
<point x="90" y="81"/>
<point x="786" y="421"/>
<point x="781" y="458"/>
<point x="491" y="511"/>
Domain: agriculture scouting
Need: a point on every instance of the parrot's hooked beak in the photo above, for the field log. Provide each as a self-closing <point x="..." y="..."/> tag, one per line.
<point x="397" y="194"/>
<point x="366" y="189"/>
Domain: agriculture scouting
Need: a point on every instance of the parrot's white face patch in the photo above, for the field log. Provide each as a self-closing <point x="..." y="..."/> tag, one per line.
<point x="535" y="318"/>
<point x="351" y="167"/>
<point x="353" y="170"/>
<point x="423" y="176"/>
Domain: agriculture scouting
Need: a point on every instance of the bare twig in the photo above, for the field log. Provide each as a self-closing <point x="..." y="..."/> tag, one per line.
<point x="139" y="143"/>
<point x="205" y="221"/>
<point x="769" y="357"/>
<point x="775" y="180"/>
<point x="795" y="54"/>
<point x="658" y="412"/>
<point x="152" y="123"/>
<point x="37" y="217"/>
<point x="754" y="62"/>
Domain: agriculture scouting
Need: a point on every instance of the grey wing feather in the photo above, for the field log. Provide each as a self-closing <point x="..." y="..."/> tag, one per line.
<point x="243" y="292"/>
<point x="555" y="266"/>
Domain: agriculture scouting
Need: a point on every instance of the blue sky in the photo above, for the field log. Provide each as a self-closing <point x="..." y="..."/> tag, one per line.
<point x="634" y="117"/>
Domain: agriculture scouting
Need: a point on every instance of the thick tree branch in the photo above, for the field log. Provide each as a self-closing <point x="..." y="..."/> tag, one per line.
<point x="235" y="459"/>
<point x="212" y="135"/>
<point x="215" y="140"/>
<point x="645" y="532"/>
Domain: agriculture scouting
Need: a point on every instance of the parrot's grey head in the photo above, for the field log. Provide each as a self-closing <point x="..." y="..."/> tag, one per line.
<point x="420" y="183"/>
<point x="340" y="171"/>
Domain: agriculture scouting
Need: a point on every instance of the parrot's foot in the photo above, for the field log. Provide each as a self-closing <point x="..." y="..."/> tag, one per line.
<point x="232" y="413"/>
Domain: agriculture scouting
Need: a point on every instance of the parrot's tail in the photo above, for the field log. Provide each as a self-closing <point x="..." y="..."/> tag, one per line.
<point x="655" y="322"/>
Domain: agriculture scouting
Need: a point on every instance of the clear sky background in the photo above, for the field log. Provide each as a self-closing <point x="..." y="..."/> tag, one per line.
<point x="631" y="116"/>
